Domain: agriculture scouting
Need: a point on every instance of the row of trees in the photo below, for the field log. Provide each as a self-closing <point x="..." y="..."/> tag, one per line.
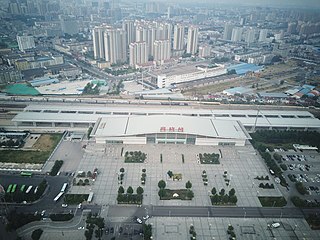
<point x="16" y="143"/>
<point x="90" y="89"/>
<point x="167" y="194"/>
<point x="136" y="156"/>
<point x="266" y="185"/>
<point x="129" y="197"/>
<point x="56" y="167"/>
<point x="92" y="222"/>
<point x="147" y="231"/>
<point x="284" y="137"/>
<point x="222" y="197"/>
<point x="208" y="158"/>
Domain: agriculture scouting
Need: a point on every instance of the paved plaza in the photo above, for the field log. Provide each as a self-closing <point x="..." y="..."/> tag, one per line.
<point x="241" y="163"/>
<point x="245" y="228"/>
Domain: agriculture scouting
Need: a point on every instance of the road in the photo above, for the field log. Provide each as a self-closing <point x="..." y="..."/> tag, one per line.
<point x="193" y="211"/>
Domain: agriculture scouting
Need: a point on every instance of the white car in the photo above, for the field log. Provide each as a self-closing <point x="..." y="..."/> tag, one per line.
<point x="43" y="212"/>
<point x="146" y="217"/>
<point x="139" y="220"/>
<point x="80" y="228"/>
<point x="64" y="205"/>
<point x="275" y="225"/>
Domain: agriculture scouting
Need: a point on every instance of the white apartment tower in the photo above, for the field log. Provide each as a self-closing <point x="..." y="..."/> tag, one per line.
<point x="250" y="37"/>
<point x="178" y="37"/>
<point x="263" y="35"/>
<point x="138" y="53"/>
<point x="161" y="51"/>
<point x="25" y="42"/>
<point x="236" y="34"/>
<point x="204" y="51"/>
<point x="227" y="31"/>
<point x="129" y="28"/>
<point x="115" y="45"/>
<point x="192" y="44"/>
<point x="164" y="31"/>
<point x="98" y="41"/>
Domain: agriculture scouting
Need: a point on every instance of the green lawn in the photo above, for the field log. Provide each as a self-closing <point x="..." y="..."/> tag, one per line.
<point x="19" y="156"/>
<point x="42" y="150"/>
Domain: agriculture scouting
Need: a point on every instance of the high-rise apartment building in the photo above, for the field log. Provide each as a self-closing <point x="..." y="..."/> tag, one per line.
<point x="227" y="31"/>
<point x="25" y="42"/>
<point x="69" y="25"/>
<point x="161" y="50"/>
<point x="263" y="35"/>
<point x="115" y="45"/>
<point x="98" y="41"/>
<point x="138" y="53"/>
<point x="178" y="37"/>
<point x="236" y="34"/>
<point x="192" y="44"/>
<point x="128" y="26"/>
<point x="250" y="37"/>
<point x="204" y="51"/>
<point x="163" y="31"/>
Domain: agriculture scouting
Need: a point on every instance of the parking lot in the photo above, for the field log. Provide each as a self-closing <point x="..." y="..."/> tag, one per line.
<point x="241" y="163"/>
<point x="303" y="167"/>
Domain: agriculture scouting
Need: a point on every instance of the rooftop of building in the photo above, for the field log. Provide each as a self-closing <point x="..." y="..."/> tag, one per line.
<point x="139" y="125"/>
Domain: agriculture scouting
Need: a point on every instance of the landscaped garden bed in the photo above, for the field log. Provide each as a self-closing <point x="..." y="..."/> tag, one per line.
<point x="209" y="158"/>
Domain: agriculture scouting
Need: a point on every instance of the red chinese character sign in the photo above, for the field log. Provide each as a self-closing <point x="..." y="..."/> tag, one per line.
<point x="171" y="129"/>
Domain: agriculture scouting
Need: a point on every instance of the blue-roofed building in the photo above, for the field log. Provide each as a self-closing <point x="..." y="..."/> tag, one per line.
<point x="244" y="68"/>
<point x="43" y="81"/>
<point x="310" y="87"/>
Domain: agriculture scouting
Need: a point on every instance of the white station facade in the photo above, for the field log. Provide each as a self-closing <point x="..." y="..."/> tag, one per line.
<point x="169" y="130"/>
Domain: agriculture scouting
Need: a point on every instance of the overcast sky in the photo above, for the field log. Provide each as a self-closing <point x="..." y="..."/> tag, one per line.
<point x="288" y="3"/>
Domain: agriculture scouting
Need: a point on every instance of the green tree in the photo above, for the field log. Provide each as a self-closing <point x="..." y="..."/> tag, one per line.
<point x="188" y="185"/>
<point x="222" y="192"/>
<point x="161" y="184"/>
<point x="232" y="192"/>
<point x="122" y="170"/>
<point x="233" y="199"/>
<point x="225" y="198"/>
<point x="36" y="234"/>
<point x="130" y="190"/>
<point x="161" y="192"/>
<point x="215" y="198"/>
<point x="139" y="190"/>
<point x="214" y="191"/>
<point x="190" y="194"/>
<point x="121" y="190"/>
<point x="170" y="174"/>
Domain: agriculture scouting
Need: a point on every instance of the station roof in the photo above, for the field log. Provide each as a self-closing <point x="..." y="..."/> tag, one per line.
<point x="139" y="125"/>
<point x="90" y="113"/>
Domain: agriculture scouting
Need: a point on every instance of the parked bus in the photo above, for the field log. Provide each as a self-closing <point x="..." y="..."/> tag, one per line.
<point x="29" y="189"/>
<point x="14" y="188"/>
<point x="58" y="196"/>
<point x="26" y="174"/>
<point x="22" y="188"/>
<point x="64" y="187"/>
<point x="9" y="188"/>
